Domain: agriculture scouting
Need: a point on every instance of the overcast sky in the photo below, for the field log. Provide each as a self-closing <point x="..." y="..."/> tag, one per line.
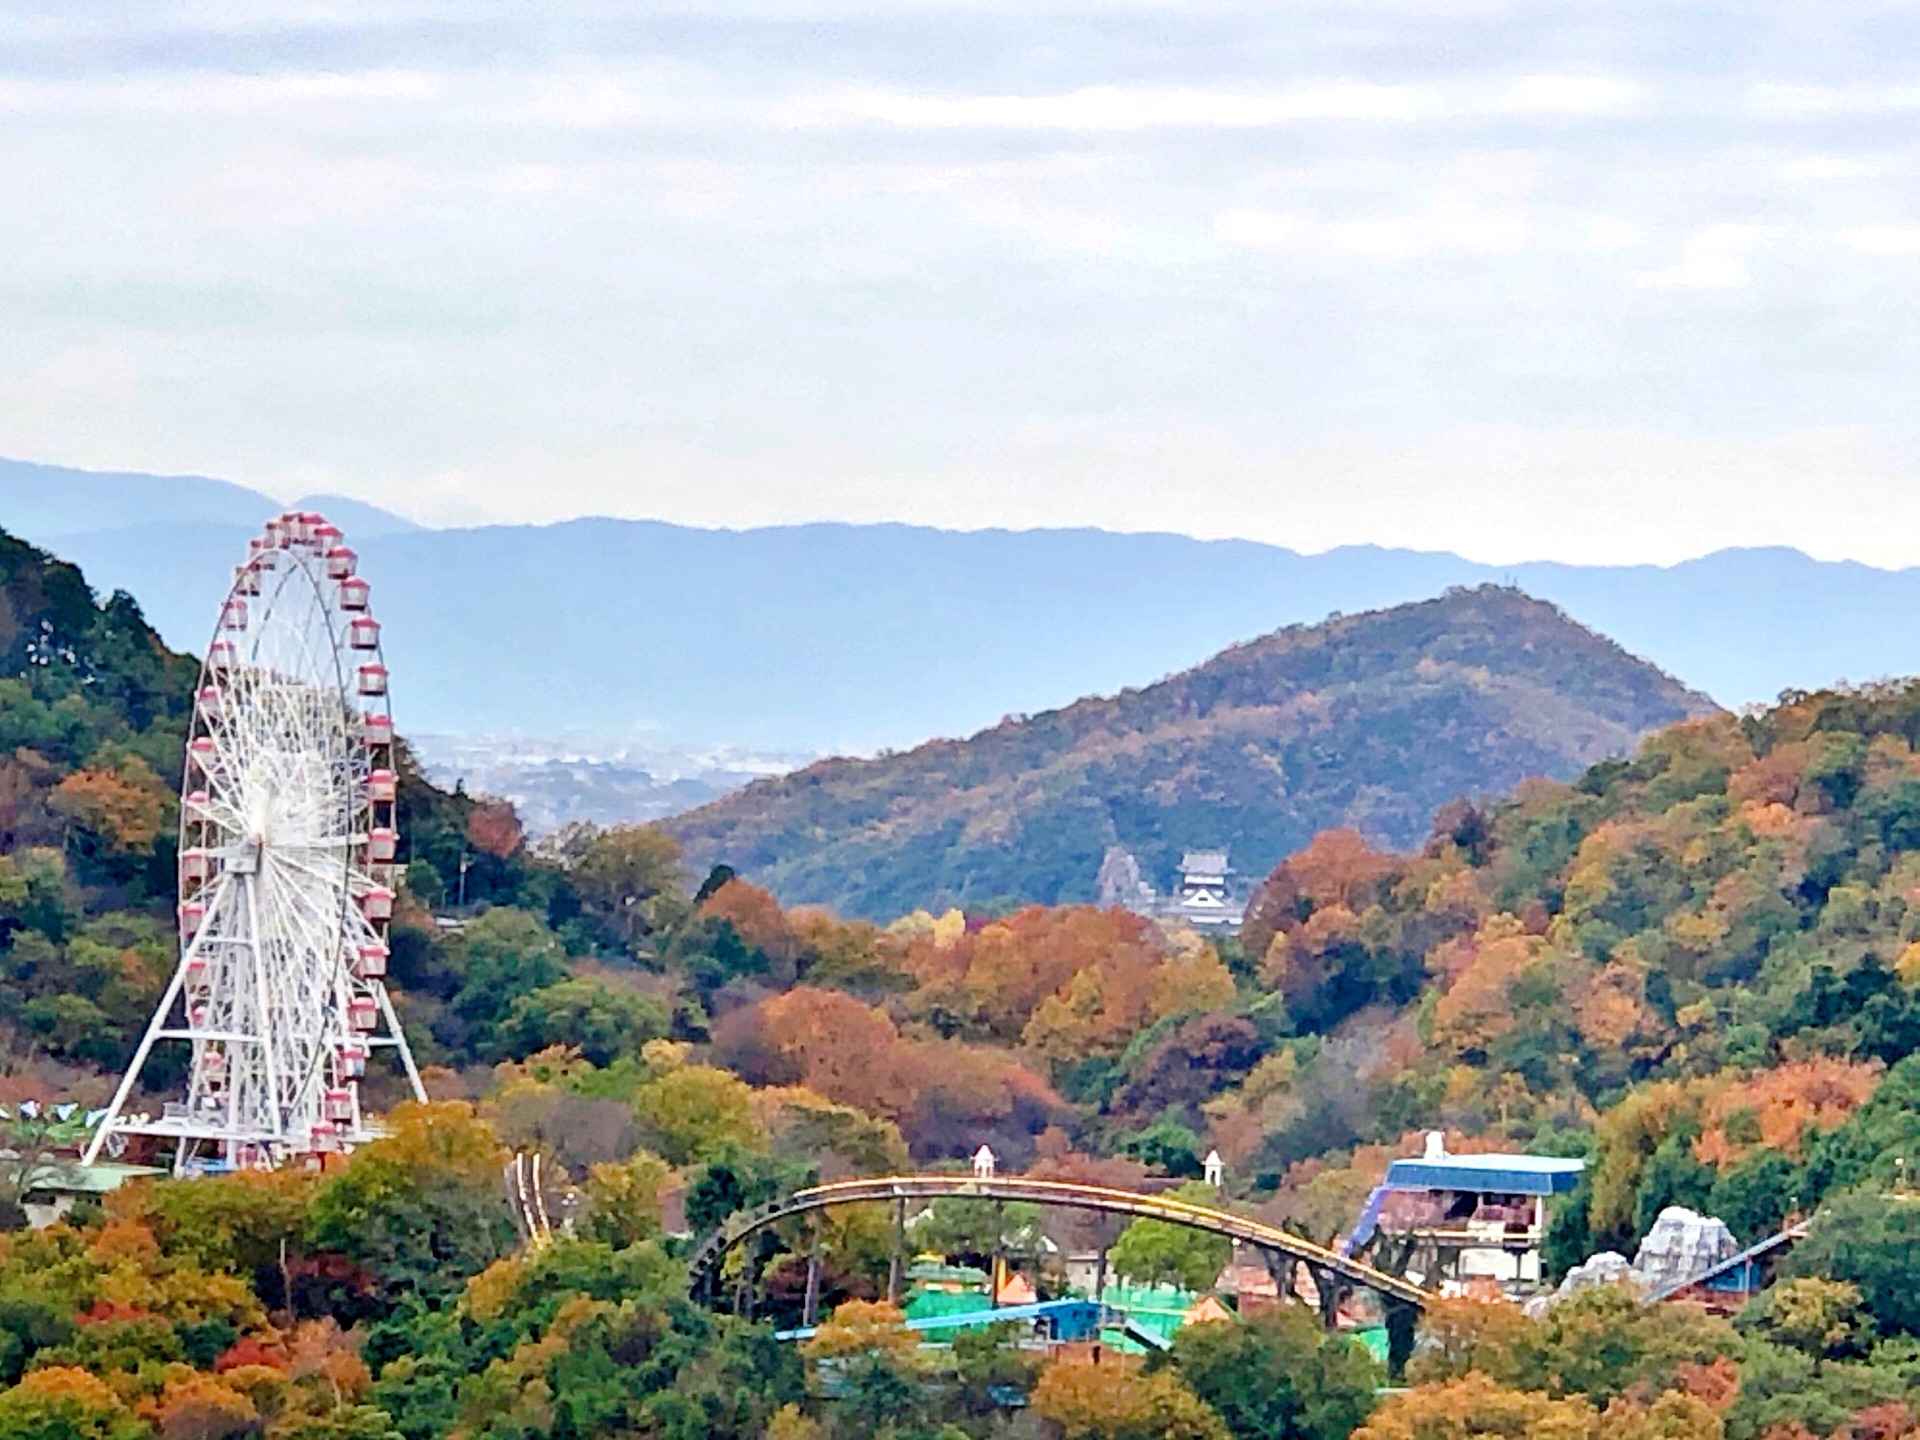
<point x="1605" y="281"/>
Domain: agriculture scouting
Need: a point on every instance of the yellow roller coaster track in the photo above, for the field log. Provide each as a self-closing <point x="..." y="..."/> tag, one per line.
<point x="713" y="1249"/>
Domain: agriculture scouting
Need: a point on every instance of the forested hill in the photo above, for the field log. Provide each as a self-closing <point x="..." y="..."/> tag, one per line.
<point x="1370" y="721"/>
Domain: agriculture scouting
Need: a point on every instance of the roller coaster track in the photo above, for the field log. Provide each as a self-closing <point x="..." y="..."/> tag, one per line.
<point x="712" y="1250"/>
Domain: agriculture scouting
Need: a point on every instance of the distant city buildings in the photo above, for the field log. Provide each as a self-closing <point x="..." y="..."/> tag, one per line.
<point x="1205" y="896"/>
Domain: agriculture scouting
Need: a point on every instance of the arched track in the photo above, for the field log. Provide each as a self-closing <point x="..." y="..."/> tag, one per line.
<point x="711" y="1250"/>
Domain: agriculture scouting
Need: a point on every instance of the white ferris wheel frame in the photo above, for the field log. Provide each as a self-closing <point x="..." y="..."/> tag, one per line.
<point x="288" y="843"/>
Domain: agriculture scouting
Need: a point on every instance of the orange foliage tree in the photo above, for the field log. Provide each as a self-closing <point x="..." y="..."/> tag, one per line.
<point x="1779" y="1108"/>
<point x="202" y="1407"/>
<point x="1461" y="1336"/>
<point x="494" y="829"/>
<point x="1478" y="1407"/>
<point x="124" y="804"/>
<point x="68" y="1403"/>
<point x="1114" y="1399"/>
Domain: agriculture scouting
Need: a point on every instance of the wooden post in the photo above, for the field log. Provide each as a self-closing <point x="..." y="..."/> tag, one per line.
<point x="896" y="1268"/>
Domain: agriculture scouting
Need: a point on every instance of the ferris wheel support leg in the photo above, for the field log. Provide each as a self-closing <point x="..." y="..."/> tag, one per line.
<point x="139" y="1060"/>
<point x="400" y="1044"/>
<point x="276" y="1115"/>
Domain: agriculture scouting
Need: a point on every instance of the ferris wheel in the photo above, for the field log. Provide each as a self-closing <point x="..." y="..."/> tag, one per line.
<point x="288" y="848"/>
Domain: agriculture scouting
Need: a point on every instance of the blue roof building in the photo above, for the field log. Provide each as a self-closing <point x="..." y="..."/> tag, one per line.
<point x="1505" y="1174"/>
<point x="1476" y="1222"/>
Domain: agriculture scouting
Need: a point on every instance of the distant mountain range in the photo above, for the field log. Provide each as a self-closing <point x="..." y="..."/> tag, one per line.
<point x="1372" y="721"/>
<point x="852" y="638"/>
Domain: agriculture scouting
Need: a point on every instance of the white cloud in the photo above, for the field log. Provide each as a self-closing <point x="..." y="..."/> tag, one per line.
<point x="228" y="96"/>
<point x="1790" y="102"/>
<point x="1818" y="169"/>
<point x="1257" y="229"/>
<point x="1611" y="233"/>
<point x="1884" y="240"/>
<point x="1107" y="108"/>
<point x="1714" y="259"/>
<point x="1573" y="95"/>
<point x="1168" y="263"/>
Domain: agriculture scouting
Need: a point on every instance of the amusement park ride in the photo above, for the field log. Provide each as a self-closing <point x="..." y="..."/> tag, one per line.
<point x="288" y="848"/>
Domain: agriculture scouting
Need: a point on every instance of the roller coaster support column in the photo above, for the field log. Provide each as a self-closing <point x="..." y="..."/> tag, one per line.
<point x="999" y="1269"/>
<point x="1329" y="1287"/>
<point x="1403" y="1323"/>
<point x="810" y="1307"/>
<point x="896" y="1267"/>
<point x="743" y="1287"/>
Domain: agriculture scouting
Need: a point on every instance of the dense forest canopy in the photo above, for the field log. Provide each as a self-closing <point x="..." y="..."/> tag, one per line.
<point x="1698" y="966"/>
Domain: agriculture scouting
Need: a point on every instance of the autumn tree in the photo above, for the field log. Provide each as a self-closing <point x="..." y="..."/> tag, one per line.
<point x="880" y="1368"/>
<point x="65" y="1403"/>
<point x="123" y="804"/>
<point x="201" y="1407"/>
<point x="695" y="1112"/>
<point x="1477" y="1407"/>
<point x="1459" y="1336"/>
<point x="623" y="1201"/>
<point x="1114" y="1399"/>
<point x="423" y="1207"/>
<point x="627" y="879"/>
<point x="494" y="829"/>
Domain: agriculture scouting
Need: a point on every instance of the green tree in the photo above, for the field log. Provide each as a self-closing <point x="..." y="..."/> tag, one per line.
<point x="1279" y="1375"/>
<point x="602" y="1022"/>
<point x="348" y="1422"/>
<point x="1871" y="1240"/>
<point x="1602" y="1341"/>
<point x="1821" y="1318"/>
<point x="694" y="1112"/>
<point x="1755" y="1194"/>
<point x="628" y="880"/>
<point x="979" y="1228"/>
<point x="424" y="1207"/>
<point x="1160" y="1252"/>
<point x="502" y="956"/>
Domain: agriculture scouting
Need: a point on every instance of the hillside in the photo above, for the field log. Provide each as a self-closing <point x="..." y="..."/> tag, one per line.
<point x="1697" y="965"/>
<point x="843" y="639"/>
<point x="1370" y="721"/>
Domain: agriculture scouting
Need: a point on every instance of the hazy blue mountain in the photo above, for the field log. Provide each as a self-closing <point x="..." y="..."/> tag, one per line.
<point x="356" y="517"/>
<point x="853" y="637"/>
<point x="47" y="501"/>
<point x="43" y="502"/>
